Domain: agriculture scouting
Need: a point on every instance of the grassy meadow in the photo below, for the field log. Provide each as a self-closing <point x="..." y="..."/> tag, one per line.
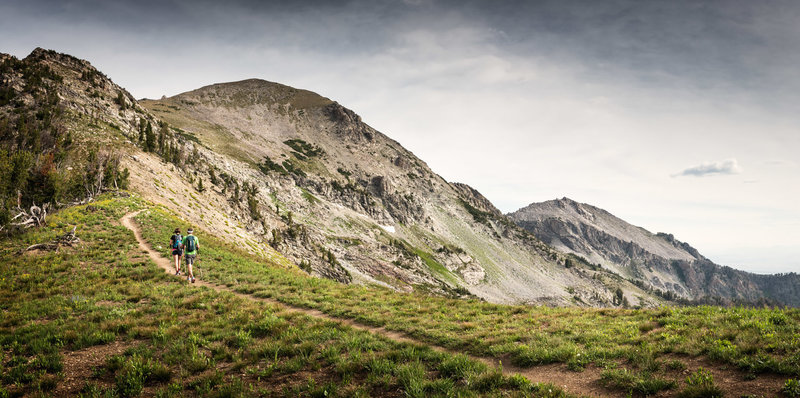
<point x="638" y="351"/>
<point x="102" y="320"/>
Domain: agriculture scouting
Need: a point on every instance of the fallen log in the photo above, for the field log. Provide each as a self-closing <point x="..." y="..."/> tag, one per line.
<point x="68" y="239"/>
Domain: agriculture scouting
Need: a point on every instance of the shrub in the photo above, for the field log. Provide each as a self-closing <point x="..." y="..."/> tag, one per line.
<point x="267" y="165"/>
<point x="309" y="150"/>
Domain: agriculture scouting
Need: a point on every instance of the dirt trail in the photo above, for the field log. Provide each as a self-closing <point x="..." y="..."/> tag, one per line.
<point x="585" y="383"/>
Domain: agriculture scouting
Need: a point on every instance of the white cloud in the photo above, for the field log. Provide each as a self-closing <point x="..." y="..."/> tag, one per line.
<point x="727" y="166"/>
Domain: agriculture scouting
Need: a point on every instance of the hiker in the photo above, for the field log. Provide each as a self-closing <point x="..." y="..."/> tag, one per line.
<point x="175" y="242"/>
<point x="190" y="246"/>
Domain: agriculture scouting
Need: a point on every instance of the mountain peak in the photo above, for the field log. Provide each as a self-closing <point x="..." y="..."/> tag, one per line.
<point x="41" y="54"/>
<point x="249" y="92"/>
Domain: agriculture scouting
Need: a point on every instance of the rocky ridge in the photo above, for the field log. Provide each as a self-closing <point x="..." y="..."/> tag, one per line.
<point x="656" y="262"/>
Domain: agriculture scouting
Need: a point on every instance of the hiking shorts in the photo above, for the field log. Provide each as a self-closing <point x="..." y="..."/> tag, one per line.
<point x="190" y="259"/>
<point x="177" y="252"/>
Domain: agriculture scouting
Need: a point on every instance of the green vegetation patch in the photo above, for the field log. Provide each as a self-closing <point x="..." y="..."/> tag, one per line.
<point x="478" y="215"/>
<point x="267" y="165"/>
<point x="304" y="148"/>
<point x="157" y="335"/>
<point x="308" y="196"/>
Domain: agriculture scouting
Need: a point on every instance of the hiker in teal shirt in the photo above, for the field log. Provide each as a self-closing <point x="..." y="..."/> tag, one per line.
<point x="190" y="246"/>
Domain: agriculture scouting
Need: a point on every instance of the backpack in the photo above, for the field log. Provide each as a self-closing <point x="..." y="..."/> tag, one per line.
<point x="191" y="244"/>
<point x="176" y="241"/>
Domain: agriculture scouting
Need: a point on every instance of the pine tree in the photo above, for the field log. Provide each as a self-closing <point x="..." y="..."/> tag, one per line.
<point x="141" y="131"/>
<point x="150" y="138"/>
<point x="161" y="141"/>
<point x="22" y="131"/>
<point x="213" y="176"/>
<point x="177" y="155"/>
<point x="618" y="297"/>
<point x="162" y="136"/>
<point x="121" y="101"/>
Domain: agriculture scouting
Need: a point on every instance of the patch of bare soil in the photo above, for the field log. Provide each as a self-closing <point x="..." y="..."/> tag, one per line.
<point x="78" y="366"/>
<point x="585" y="383"/>
<point x="734" y="382"/>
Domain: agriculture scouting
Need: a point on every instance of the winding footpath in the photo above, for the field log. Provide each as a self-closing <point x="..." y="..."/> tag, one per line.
<point x="585" y="383"/>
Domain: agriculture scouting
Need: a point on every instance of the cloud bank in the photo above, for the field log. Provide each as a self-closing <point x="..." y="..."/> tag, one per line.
<point x="724" y="167"/>
<point x="525" y="100"/>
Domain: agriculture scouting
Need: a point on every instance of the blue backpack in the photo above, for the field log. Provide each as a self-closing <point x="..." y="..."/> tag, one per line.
<point x="176" y="241"/>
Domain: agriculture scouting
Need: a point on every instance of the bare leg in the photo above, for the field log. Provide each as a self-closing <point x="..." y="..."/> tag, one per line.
<point x="189" y="264"/>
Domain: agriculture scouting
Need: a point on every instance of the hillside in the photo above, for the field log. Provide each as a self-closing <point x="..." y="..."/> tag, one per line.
<point x="656" y="261"/>
<point x="101" y="319"/>
<point x="94" y="319"/>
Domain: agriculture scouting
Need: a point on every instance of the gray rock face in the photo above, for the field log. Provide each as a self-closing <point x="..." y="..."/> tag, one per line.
<point x="658" y="261"/>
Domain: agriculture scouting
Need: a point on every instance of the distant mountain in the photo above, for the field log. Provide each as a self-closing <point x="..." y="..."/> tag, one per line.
<point x="657" y="262"/>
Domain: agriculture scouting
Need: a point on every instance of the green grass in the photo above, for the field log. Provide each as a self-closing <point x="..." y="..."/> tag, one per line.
<point x="647" y="341"/>
<point x="176" y="339"/>
<point x="180" y="340"/>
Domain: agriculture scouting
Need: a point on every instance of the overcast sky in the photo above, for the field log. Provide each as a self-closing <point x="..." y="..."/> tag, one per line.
<point x="677" y="116"/>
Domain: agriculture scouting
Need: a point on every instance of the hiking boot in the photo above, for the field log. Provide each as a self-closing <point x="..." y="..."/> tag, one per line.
<point x="178" y="273"/>
<point x="192" y="280"/>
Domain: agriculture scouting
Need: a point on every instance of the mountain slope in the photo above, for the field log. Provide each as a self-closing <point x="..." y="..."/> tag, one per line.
<point x="405" y="225"/>
<point x="656" y="261"/>
<point x="297" y="178"/>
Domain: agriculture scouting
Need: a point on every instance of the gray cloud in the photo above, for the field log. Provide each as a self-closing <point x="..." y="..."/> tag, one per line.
<point x="723" y="167"/>
<point x="546" y="98"/>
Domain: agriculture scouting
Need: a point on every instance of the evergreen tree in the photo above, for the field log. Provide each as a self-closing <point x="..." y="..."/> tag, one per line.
<point x="5" y="131"/>
<point x="177" y="155"/>
<point x="22" y="131"/>
<point x="195" y="154"/>
<point x="162" y="136"/>
<point x="141" y="131"/>
<point x="161" y="141"/>
<point x="212" y="176"/>
<point x="619" y="296"/>
<point x="121" y="101"/>
<point x="150" y="138"/>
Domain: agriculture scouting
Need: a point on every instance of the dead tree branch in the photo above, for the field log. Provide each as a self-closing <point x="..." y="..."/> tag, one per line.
<point x="68" y="239"/>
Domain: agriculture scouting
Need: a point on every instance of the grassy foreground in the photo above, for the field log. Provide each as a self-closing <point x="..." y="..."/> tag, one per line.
<point x="102" y="320"/>
<point x="637" y="350"/>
